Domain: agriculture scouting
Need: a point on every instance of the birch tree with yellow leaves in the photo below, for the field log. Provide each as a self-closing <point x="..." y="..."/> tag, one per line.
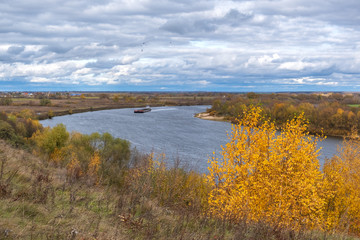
<point x="342" y="188"/>
<point x="265" y="175"/>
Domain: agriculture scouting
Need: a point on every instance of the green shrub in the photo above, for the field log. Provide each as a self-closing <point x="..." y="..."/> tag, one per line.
<point x="50" y="114"/>
<point x="3" y="116"/>
<point x="45" y="102"/>
<point x="26" y="113"/>
<point x="7" y="101"/>
<point x="7" y="132"/>
<point x="52" y="139"/>
<point x="114" y="154"/>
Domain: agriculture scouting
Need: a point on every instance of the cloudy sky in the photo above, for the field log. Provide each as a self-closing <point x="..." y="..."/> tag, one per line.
<point x="180" y="45"/>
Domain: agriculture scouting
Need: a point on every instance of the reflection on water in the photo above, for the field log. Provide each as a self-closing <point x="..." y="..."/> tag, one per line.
<point x="170" y="130"/>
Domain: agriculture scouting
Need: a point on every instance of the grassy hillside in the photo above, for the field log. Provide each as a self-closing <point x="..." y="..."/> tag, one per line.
<point x="39" y="202"/>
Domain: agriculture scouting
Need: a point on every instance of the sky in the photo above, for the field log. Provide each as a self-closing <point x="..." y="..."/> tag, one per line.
<point x="173" y="45"/>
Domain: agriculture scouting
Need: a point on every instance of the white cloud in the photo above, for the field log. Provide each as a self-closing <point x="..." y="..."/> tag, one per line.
<point x="121" y="70"/>
<point x="40" y="80"/>
<point x="137" y="81"/>
<point x="210" y="43"/>
<point x="263" y="60"/>
<point x="202" y="82"/>
<point x="300" y="65"/>
<point x="312" y="81"/>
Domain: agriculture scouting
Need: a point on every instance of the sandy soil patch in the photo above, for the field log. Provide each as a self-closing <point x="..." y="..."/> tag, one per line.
<point x="207" y="116"/>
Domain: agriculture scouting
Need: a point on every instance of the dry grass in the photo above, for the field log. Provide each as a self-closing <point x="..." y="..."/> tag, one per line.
<point x="94" y="102"/>
<point x="37" y="202"/>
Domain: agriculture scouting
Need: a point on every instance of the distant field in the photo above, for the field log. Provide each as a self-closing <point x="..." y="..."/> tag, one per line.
<point x="22" y="99"/>
<point x="354" y="105"/>
<point x="60" y="105"/>
<point x="86" y="97"/>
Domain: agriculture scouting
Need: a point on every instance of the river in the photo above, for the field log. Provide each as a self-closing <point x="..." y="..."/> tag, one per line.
<point x="173" y="131"/>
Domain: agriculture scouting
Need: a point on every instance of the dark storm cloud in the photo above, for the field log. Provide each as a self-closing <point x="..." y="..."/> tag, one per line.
<point x="208" y="44"/>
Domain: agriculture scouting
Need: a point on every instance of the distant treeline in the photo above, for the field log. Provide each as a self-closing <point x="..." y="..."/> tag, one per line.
<point x="332" y="114"/>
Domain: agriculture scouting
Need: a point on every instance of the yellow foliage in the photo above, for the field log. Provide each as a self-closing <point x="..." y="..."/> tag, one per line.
<point x="340" y="111"/>
<point x="50" y="139"/>
<point x="351" y="115"/>
<point x="342" y="187"/>
<point x="57" y="156"/>
<point x="94" y="167"/>
<point x="74" y="168"/>
<point x="34" y="123"/>
<point x="267" y="176"/>
<point x="26" y="113"/>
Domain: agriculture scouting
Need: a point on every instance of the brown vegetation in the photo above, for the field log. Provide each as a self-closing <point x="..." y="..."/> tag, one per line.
<point x="65" y="103"/>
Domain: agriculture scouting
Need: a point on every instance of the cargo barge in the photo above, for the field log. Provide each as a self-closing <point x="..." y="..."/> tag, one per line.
<point x="143" y="110"/>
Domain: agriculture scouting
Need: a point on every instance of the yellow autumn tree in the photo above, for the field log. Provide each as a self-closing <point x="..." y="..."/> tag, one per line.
<point x="57" y="156"/>
<point x="342" y="187"/>
<point x="94" y="166"/>
<point x="73" y="168"/>
<point x="264" y="175"/>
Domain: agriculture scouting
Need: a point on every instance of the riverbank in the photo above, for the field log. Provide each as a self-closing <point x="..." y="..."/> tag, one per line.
<point x="57" y="113"/>
<point x="48" y="105"/>
<point x="46" y="115"/>
<point x="207" y="116"/>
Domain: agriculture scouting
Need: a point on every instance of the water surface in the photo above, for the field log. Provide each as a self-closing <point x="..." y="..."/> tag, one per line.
<point x="170" y="130"/>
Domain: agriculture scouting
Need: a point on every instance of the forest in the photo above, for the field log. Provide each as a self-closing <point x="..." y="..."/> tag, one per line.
<point x="331" y="114"/>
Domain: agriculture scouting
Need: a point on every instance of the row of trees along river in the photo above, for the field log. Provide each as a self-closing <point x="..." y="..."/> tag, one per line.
<point x="332" y="114"/>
